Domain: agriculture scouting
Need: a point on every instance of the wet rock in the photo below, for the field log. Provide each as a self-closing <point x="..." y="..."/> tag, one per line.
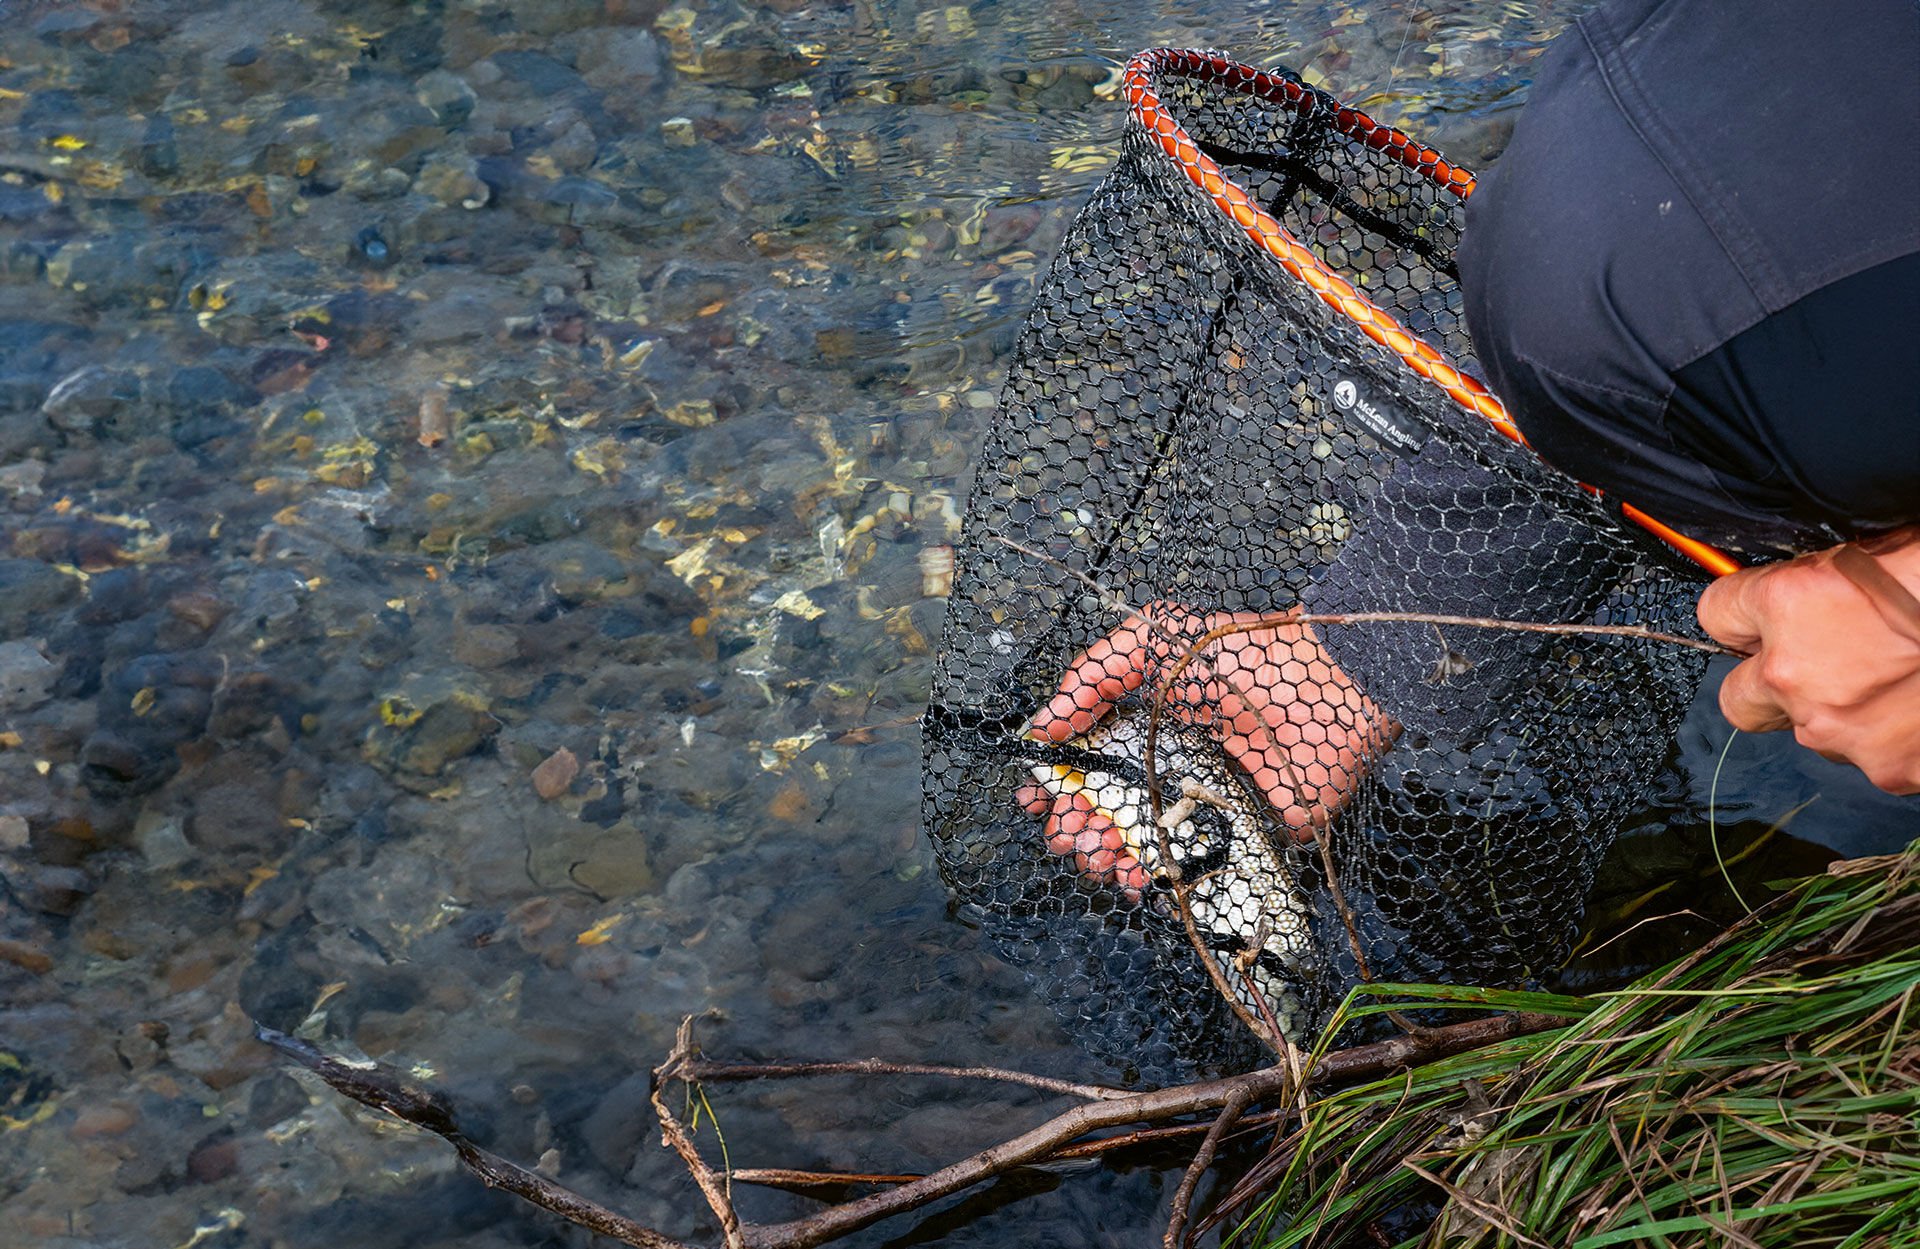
<point x="223" y="1052"/>
<point x="114" y="595"/>
<point x="800" y="941"/>
<point x="238" y="815"/>
<point x="89" y="400"/>
<point x="148" y="708"/>
<point x="30" y="589"/>
<point x="103" y="1119"/>
<point x="581" y="201"/>
<point x="586" y="572"/>
<point x="21" y="205"/>
<point x="427" y="725"/>
<point x="375" y="182"/>
<point x="214" y="1159"/>
<point x="200" y="610"/>
<point x="158" y="155"/>
<point x="624" y="61"/>
<point x="141" y="1047"/>
<point x="539" y="73"/>
<point x="50" y="890"/>
<point x="448" y="95"/>
<point x="279" y="987"/>
<point x="454" y="180"/>
<point x="622" y="1118"/>
<point x="112" y="766"/>
<point x="555" y="774"/>
<point x="486" y="646"/>
<point x="274" y="1099"/>
<point x="29" y="956"/>
<point x="613" y="862"/>
<point x="162" y="841"/>
<point x="26" y="675"/>
<point x="200" y="389"/>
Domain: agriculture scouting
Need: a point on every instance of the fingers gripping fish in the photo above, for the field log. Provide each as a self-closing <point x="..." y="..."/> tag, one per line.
<point x="1245" y="902"/>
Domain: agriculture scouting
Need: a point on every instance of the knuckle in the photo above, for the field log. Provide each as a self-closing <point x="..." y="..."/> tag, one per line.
<point x="1784" y="672"/>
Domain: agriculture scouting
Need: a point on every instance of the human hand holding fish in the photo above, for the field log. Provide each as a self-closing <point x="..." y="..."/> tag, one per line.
<point x="1278" y="704"/>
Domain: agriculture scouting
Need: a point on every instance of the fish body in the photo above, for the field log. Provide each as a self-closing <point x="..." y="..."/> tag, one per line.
<point x="1245" y="901"/>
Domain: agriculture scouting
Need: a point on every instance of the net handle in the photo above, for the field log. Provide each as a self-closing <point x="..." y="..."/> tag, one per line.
<point x="1336" y="292"/>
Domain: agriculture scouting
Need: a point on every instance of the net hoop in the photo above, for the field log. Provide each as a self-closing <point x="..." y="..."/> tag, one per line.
<point x="1158" y="123"/>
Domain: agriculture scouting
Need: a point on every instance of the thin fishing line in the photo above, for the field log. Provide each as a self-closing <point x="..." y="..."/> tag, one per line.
<point x="1713" y="824"/>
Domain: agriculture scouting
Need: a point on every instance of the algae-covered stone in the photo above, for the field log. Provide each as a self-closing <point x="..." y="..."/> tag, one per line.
<point x="428" y="723"/>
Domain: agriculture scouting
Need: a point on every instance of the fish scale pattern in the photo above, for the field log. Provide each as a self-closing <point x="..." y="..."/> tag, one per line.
<point x="1244" y="396"/>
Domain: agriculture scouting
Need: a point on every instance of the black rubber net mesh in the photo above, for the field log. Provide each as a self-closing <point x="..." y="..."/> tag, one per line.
<point x="1187" y="431"/>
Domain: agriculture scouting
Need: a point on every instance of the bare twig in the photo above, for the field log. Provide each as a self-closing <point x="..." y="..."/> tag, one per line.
<point x="1339" y="897"/>
<point x="1402" y="617"/>
<point x="1177" y="1210"/>
<point x="712" y="1186"/>
<point x="384" y="1089"/>
<point x="1043" y="1142"/>
<point x="701" y="1071"/>
<point x="802" y="1181"/>
<point x="1494" y="1216"/>
<point x="1099" y="1146"/>
<point x="1517" y="626"/>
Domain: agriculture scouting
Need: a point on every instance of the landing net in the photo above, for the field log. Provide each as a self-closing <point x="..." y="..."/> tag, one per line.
<point x="1245" y="391"/>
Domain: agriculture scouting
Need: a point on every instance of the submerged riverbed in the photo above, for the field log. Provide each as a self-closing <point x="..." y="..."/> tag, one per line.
<point x="474" y="482"/>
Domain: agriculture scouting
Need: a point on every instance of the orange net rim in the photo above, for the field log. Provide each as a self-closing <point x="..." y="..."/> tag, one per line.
<point x="1337" y="292"/>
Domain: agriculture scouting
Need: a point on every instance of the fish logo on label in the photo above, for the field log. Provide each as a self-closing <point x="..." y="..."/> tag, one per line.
<point x="1392" y="430"/>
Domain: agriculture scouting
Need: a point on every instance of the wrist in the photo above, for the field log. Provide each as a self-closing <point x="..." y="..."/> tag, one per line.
<point x="1898" y="551"/>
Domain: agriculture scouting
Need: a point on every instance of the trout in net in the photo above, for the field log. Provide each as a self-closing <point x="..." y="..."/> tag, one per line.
<point x="1247" y="909"/>
<point x="1245" y="387"/>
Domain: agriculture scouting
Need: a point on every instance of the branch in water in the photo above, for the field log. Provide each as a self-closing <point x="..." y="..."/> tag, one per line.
<point x="383" y="1088"/>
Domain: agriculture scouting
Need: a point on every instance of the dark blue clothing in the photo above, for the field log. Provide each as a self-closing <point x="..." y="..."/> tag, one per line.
<point x="1694" y="279"/>
<point x="1694" y="275"/>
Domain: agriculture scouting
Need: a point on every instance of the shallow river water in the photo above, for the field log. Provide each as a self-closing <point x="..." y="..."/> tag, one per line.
<point x="472" y="479"/>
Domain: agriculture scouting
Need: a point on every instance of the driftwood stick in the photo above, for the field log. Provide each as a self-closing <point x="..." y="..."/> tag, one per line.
<point x="1043" y="1142"/>
<point x="703" y="1071"/>
<point x="382" y="1088"/>
<point x="1140" y="1138"/>
<point x="1179" y="1209"/>
<point x="804" y="1181"/>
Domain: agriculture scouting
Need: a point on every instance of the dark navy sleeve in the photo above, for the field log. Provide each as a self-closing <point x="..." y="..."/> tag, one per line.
<point x="1443" y="536"/>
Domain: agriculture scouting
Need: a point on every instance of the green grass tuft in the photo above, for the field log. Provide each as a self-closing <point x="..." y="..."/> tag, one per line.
<point x="1762" y="1091"/>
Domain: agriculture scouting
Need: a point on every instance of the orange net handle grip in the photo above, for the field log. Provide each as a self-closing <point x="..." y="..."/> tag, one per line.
<point x="1299" y="261"/>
